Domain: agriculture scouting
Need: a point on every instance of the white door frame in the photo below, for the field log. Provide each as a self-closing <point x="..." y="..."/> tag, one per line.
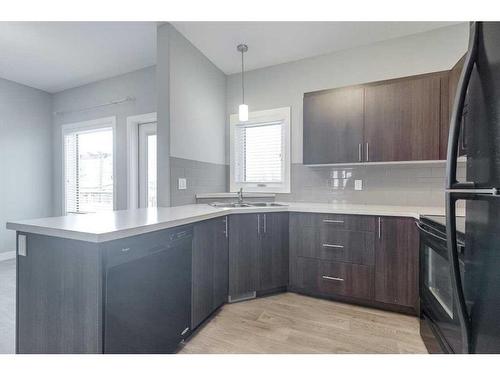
<point x="145" y="130"/>
<point x="133" y="123"/>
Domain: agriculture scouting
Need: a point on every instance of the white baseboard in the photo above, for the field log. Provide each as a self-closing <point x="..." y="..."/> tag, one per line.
<point x="7" y="255"/>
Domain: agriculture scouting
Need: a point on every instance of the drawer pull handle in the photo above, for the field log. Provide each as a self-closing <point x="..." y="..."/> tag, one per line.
<point x="333" y="221"/>
<point x="332" y="278"/>
<point x="334" y="246"/>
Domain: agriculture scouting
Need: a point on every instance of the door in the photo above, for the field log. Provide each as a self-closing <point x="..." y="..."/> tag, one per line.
<point x="402" y="119"/>
<point x="333" y="126"/>
<point x="147" y="165"/>
<point x="274" y="251"/>
<point x="244" y="248"/>
<point x="396" y="262"/>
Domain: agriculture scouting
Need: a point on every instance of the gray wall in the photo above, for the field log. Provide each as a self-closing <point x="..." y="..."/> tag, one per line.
<point x="192" y="109"/>
<point x="140" y="84"/>
<point x="25" y="156"/>
<point x="285" y="84"/>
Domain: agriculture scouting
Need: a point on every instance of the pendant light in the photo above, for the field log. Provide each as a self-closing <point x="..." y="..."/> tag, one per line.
<point x="243" y="108"/>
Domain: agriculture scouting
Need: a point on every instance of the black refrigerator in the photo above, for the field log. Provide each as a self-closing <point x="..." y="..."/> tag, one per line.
<point x="477" y="290"/>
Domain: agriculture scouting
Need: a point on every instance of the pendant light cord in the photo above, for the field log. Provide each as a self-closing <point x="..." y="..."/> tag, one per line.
<point x="242" y="78"/>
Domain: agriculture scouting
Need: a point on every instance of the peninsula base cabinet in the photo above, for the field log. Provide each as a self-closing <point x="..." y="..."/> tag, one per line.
<point x="210" y="268"/>
<point x="258" y="254"/>
<point x="362" y="259"/>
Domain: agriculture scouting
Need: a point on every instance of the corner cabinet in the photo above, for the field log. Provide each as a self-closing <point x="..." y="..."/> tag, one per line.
<point x="258" y="254"/>
<point x="209" y="268"/>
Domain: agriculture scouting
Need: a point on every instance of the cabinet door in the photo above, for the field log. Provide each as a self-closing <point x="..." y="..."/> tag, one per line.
<point x="402" y="120"/>
<point x="204" y="243"/>
<point x="221" y="259"/>
<point x="396" y="262"/>
<point x="274" y="251"/>
<point x="333" y="126"/>
<point x="244" y="246"/>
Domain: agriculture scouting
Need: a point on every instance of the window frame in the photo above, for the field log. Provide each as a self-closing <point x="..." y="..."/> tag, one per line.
<point x="269" y="115"/>
<point x="145" y="130"/>
<point x="83" y="126"/>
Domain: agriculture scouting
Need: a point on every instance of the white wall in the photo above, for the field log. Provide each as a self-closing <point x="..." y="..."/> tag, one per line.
<point x="284" y="85"/>
<point x="197" y="104"/>
<point x="140" y="84"/>
<point x="25" y="156"/>
<point x="191" y="112"/>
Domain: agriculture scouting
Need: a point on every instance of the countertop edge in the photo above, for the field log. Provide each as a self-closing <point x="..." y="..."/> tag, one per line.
<point x="142" y="229"/>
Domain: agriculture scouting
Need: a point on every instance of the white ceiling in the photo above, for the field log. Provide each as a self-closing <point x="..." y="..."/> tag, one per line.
<point x="271" y="43"/>
<point x="54" y="56"/>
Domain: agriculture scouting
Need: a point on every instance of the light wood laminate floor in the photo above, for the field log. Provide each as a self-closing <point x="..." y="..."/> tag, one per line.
<point x="292" y="323"/>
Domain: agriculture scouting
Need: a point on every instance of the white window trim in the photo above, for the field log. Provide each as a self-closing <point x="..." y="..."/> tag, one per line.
<point x="104" y="122"/>
<point x="133" y="123"/>
<point x="276" y="114"/>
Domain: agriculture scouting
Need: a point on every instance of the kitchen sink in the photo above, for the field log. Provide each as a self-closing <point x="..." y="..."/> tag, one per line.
<point x="246" y="204"/>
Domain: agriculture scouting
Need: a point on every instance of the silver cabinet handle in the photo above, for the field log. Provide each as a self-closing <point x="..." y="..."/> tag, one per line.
<point x="360" y="157"/>
<point x="227" y="232"/>
<point x="379" y="227"/>
<point x="367" y="152"/>
<point x="333" y="221"/>
<point x="265" y="223"/>
<point x="332" y="278"/>
<point x="258" y="224"/>
<point x="334" y="246"/>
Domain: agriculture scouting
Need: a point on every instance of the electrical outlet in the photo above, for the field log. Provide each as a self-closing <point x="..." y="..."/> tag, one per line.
<point x="358" y="184"/>
<point x="182" y="184"/>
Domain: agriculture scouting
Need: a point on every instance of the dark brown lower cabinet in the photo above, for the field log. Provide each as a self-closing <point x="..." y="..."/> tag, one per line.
<point x="273" y="259"/>
<point x="396" y="262"/>
<point x="209" y="269"/>
<point x="258" y="253"/>
<point x="353" y="257"/>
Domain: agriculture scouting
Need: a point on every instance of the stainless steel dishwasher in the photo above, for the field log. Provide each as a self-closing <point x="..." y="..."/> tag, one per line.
<point x="148" y="292"/>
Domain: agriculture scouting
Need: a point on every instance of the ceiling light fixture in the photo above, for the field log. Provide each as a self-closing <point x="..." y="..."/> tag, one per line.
<point x="243" y="108"/>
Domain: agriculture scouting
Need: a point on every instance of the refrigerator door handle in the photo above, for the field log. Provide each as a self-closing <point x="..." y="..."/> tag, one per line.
<point x="456" y="280"/>
<point x="456" y="114"/>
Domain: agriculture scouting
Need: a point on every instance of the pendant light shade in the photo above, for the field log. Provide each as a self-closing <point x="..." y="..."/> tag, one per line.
<point x="243" y="112"/>
<point x="243" y="108"/>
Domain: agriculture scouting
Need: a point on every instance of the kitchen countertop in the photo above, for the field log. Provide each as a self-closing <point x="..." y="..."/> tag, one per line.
<point x="107" y="226"/>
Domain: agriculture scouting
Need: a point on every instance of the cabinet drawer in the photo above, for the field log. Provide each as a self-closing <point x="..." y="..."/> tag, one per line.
<point x="327" y="222"/>
<point x="347" y="246"/>
<point x="335" y="278"/>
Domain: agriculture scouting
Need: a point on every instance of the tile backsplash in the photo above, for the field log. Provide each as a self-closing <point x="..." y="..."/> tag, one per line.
<point x="397" y="184"/>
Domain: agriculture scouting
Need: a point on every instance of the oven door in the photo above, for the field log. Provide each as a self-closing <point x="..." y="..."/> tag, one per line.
<point x="440" y="326"/>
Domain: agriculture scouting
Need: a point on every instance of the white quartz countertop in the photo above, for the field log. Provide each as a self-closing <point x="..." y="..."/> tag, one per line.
<point x="113" y="225"/>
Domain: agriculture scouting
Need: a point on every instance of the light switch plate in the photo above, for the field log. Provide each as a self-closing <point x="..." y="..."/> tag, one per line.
<point x="21" y="245"/>
<point x="182" y="184"/>
<point x="358" y="184"/>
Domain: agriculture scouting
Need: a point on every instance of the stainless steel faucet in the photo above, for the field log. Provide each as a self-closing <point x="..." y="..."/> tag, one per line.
<point x="240" y="196"/>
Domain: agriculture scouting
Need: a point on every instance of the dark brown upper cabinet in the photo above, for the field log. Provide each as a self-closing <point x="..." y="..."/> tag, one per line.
<point x="448" y="98"/>
<point x="333" y="126"/>
<point x="402" y="119"/>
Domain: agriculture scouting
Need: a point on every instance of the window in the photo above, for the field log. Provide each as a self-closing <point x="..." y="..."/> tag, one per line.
<point x="147" y="164"/>
<point x="89" y="166"/>
<point x="260" y="152"/>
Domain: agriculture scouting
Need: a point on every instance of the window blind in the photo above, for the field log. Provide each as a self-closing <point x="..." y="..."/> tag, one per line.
<point x="88" y="168"/>
<point x="258" y="152"/>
